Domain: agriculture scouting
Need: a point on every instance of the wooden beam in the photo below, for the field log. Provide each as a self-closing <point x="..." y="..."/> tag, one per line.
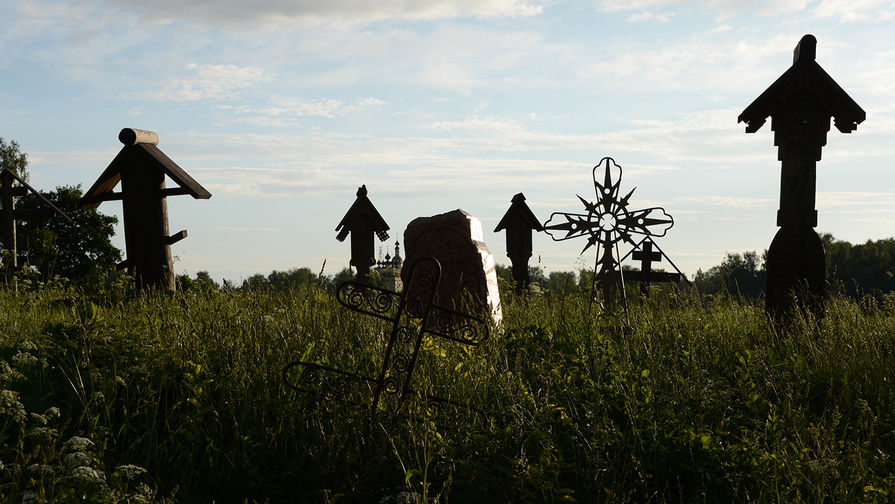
<point x="171" y="240"/>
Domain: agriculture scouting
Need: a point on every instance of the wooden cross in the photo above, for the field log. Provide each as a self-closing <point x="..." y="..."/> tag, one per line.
<point x="141" y="168"/>
<point x="9" y="191"/>
<point x="363" y="221"/>
<point x="800" y="103"/>
<point x="413" y="316"/>
<point x="519" y="222"/>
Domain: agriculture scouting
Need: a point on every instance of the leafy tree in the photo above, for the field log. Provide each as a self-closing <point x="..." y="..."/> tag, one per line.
<point x="204" y="282"/>
<point x="80" y="250"/>
<point x="13" y="159"/>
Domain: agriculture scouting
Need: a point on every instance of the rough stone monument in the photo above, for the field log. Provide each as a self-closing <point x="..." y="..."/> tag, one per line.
<point x="800" y="104"/>
<point x="455" y="239"/>
<point x="141" y="168"/>
<point x="519" y="222"/>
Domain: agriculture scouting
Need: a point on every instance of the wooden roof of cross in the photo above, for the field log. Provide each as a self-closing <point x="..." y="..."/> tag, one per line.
<point x="143" y="144"/>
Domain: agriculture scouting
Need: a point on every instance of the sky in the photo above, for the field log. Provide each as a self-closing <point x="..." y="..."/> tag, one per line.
<point x="283" y="108"/>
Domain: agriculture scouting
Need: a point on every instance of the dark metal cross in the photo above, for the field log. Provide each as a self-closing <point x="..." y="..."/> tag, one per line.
<point x="413" y="316"/>
<point x="608" y="222"/>
<point x="647" y="256"/>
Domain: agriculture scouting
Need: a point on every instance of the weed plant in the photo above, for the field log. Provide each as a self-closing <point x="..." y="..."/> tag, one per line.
<point x="681" y="398"/>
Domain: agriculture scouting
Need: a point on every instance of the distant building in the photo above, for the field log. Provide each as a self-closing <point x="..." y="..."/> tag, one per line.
<point x="389" y="269"/>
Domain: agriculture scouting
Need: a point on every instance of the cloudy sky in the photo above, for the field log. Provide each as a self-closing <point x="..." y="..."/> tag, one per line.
<point x="282" y="108"/>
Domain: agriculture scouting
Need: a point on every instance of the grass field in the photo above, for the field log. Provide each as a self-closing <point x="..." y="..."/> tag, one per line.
<point x="180" y="399"/>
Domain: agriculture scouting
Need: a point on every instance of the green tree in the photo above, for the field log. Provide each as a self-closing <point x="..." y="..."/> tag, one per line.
<point x="204" y="282"/>
<point x="80" y="249"/>
<point x="13" y="159"/>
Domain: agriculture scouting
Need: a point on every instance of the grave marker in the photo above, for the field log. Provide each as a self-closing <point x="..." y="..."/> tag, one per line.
<point x="455" y="239"/>
<point x="800" y="104"/>
<point x="608" y="222"/>
<point x="141" y="168"/>
<point x="519" y="222"/>
<point x="9" y="191"/>
<point x="362" y="220"/>
<point x="413" y="316"/>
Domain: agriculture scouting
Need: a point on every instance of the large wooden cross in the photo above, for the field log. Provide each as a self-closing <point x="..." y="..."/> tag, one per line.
<point x="413" y="316"/>
<point x="800" y="103"/>
<point x="141" y="168"/>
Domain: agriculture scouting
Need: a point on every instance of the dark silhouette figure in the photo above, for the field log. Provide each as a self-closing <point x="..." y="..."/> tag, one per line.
<point x="141" y="168"/>
<point x="9" y="191"/>
<point x="800" y="103"/>
<point x="519" y="222"/>
<point x="362" y="220"/>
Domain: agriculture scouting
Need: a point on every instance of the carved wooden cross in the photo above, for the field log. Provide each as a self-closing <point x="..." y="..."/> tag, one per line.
<point x="800" y="104"/>
<point x="141" y="168"/>
<point x="413" y="316"/>
<point x="519" y="222"/>
<point x="363" y="221"/>
<point x="9" y="191"/>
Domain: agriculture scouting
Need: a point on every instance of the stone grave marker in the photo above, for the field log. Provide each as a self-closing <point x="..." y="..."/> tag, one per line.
<point x="469" y="276"/>
<point x="800" y="103"/>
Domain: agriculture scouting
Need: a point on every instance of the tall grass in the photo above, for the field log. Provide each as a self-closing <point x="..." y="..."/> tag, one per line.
<point x="679" y="399"/>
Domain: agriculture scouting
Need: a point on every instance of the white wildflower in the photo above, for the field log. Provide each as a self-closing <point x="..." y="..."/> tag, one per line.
<point x="129" y="471"/>
<point x="52" y="412"/>
<point x="77" y="444"/>
<point x="89" y="475"/>
<point x="77" y="459"/>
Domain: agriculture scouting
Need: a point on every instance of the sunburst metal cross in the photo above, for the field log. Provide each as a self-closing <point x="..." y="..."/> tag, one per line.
<point x="608" y="222"/>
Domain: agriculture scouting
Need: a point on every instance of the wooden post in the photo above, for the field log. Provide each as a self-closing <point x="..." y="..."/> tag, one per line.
<point x="8" y="220"/>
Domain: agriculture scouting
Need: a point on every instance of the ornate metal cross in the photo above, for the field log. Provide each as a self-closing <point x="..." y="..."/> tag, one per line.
<point x="413" y="315"/>
<point x="608" y="222"/>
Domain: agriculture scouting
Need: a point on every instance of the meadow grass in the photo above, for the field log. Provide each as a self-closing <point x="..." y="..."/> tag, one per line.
<point x="680" y="399"/>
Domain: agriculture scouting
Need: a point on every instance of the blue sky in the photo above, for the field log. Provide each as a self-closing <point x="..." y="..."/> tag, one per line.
<point x="283" y="108"/>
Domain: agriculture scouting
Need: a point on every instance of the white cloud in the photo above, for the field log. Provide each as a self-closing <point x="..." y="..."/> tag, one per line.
<point x="288" y="111"/>
<point x="208" y="82"/>
<point x="851" y="11"/>
<point x="314" y="12"/>
<point x="647" y="16"/>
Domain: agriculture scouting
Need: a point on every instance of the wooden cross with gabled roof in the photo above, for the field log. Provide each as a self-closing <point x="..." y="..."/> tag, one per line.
<point x="519" y="222"/>
<point x="800" y="103"/>
<point x="141" y="168"/>
<point x="363" y="221"/>
<point x="9" y="191"/>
